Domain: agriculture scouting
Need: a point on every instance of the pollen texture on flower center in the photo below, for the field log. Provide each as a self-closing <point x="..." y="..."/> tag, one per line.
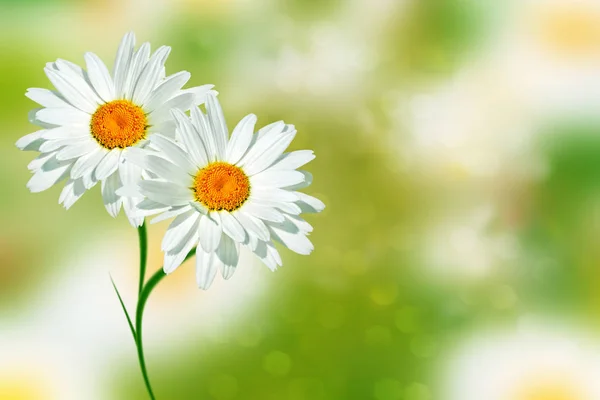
<point x="119" y="123"/>
<point x="221" y="186"/>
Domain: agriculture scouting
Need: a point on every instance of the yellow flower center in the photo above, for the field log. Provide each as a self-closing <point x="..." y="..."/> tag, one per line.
<point x="119" y="123"/>
<point x="221" y="186"/>
<point x="570" y="30"/>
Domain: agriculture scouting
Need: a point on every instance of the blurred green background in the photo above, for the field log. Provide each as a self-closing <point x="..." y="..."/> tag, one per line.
<point x="419" y="245"/>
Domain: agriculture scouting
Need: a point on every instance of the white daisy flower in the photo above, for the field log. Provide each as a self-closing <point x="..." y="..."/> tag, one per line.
<point x="226" y="192"/>
<point x="533" y="363"/>
<point x="92" y="119"/>
<point x="551" y="50"/>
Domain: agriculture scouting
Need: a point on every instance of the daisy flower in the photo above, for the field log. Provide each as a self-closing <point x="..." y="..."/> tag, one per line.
<point x="551" y="49"/>
<point x="226" y="192"/>
<point x="92" y="119"/>
<point x="531" y="363"/>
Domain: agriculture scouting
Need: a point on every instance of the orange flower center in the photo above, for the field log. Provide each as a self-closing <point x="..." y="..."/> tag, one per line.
<point x="119" y="123"/>
<point x="221" y="186"/>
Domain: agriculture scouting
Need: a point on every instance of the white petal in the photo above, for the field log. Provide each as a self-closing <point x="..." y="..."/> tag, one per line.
<point x="169" y="171"/>
<point x="179" y="230"/>
<point x="112" y="201"/>
<point x="252" y="225"/>
<point x="165" y="128"/>
<point x="286" y="207"/>
<point x="39" y="161"/>
<point x="199" y="207"/>
<point x="172" y="212"/>
<point x="253" y="241"/>
<point x="53" y="145"/>
<point x="88" y="163"/>
<point x="240" y="139"/>
<point x="274" y="194"/>
<point x="190" y="236"/>
<point x="287" y="225"/>
<point x="232" y="227"/>
<point x="89" y="179"/>
<point x="200" y="122"/>
<point x="180" y="102"/>
<point x="309" y="204"/>
<point x="43" y="180"/>
<point x="47" y="98"/>
<point x="218" y="125"/>
<point x="173" y="152"/>
<point x="75" y="150"/>
<point x="130" y="173"/>
<point x="63" y="116"/>
<point x="166" y="90"/>
<point x="148" y="207"/>
<point x="266" y="151"/>
<point x="161" y="167"/>
<point x="273" y="254"/>
<point x="68" y="68"/>
<point x="109" y="164"/>
<point x="76" y="92"/>
<point x="150" y="75"/>
<point x="99" y="77"/>
<point x="296" y="242"/>
<point x="31" y="117"/>
<point x="308" y="178"/>
<point x="263" y="212"/>
<point x="72" y="192"/>
<point x="122" y="61"/>
<point x="138" y="61"/>
<point x="166" y="192"/>
<point x="30" y="142"/>
<point x="268" y="255"/>
<point x="174" y="259"/>
<point x="79" y="78"/>
<point x="200" y="93"/>
<point x="228" y="252"/>
<point x="148" y="204"/>
<point x="227" y="271"/>
<point x="300" y="224"/>
<point x="131" y="211"/>
<point x="190" y="138"/>
<point x="271" y="129"/>
<point x="207" y="265"/>
<point x="210" y="233"/>
<point x="65" y="132"/>
<point x="293" y="160"/>
<point x="277" y="178"/>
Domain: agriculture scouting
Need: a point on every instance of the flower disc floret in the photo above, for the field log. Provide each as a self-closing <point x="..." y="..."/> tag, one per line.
<point x="118" y="123"/>
<point x="221" y="186"/>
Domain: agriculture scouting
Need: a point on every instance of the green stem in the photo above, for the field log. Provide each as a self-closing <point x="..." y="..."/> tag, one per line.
<point x="143" y="254"/>
<point x="139" y="314"/>
<point x="144" y="291"/>
<point x="138" y="325"/>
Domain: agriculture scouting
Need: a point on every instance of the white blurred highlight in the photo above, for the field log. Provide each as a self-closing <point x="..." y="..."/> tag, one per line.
<point x="541" y="361"/>
<point x="466" y="248"/>
<point x="82" y="331"/>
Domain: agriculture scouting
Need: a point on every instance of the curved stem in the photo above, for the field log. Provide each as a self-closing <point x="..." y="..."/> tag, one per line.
<point x="143" y="239"/>
<point x="143" y="254"/>
<point x="139" y="314"/>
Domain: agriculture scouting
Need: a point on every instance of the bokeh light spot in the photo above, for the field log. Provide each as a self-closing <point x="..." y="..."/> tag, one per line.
<point x="277" y="363"/>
